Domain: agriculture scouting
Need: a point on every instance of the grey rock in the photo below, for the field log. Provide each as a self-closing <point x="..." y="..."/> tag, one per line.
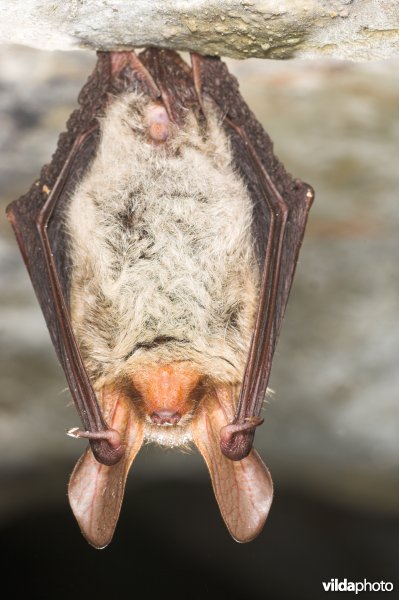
<point x="359" y="30"/>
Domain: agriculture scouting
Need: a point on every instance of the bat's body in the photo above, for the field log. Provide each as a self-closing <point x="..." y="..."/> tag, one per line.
<point x="178" y="277"/>
<point x="162" y="242"/>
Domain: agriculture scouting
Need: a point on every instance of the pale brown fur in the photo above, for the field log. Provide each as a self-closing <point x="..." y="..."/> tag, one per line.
<point x="163" y="261"/>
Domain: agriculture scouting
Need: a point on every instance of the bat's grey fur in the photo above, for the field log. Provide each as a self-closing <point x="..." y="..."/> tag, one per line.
<point x="164" y="267"/>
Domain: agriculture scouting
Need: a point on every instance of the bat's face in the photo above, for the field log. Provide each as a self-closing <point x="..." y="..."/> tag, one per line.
<point x="167" y="396"/>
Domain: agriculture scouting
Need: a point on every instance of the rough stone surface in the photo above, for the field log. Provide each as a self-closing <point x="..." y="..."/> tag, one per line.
<point x="359" y="30"/>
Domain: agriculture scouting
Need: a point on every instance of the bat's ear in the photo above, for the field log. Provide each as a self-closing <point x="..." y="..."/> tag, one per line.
<point x="95" y="490"/>
<point x="243" y="489"/>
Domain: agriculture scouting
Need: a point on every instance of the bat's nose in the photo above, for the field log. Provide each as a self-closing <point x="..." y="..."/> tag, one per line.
<point x="168" y="391"/>
<point x="165" y="417"/>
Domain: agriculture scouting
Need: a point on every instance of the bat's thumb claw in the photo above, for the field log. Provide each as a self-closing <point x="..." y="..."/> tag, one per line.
<point x="73" y="432"/>
<point x="236" y="439"/>
<point x="106" y="445"/>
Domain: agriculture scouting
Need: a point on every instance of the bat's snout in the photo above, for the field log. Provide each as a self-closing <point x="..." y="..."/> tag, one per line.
<point x="168" y="392"/>
<point x="165" y="417"/>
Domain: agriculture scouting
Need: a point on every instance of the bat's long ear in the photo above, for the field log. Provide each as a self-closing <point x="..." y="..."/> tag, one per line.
<point x="243" y="489"/>
<point x="96" y="490"/>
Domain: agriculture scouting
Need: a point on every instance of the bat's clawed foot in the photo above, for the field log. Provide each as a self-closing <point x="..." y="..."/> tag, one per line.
<point x="106" y="445"/>
<point x="236" y="439"/>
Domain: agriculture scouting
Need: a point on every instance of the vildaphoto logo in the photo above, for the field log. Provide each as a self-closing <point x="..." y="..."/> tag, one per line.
<point x="335" y="585"/>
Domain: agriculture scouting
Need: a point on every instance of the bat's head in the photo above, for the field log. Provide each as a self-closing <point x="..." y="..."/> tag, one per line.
<point x="167" y="396"/>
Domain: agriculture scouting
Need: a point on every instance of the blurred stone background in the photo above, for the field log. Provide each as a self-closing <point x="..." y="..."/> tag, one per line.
<point x="330" y="436"/>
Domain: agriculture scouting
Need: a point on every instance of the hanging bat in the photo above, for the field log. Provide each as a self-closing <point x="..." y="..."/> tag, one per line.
<point x="161" y="242"/>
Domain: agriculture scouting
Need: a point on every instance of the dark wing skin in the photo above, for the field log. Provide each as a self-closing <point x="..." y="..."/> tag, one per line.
<point x="280" y="203"/>
<point x="37" y="221"/>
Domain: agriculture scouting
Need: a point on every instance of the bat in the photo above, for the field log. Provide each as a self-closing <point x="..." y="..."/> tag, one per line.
<point x="161" y="242"/>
